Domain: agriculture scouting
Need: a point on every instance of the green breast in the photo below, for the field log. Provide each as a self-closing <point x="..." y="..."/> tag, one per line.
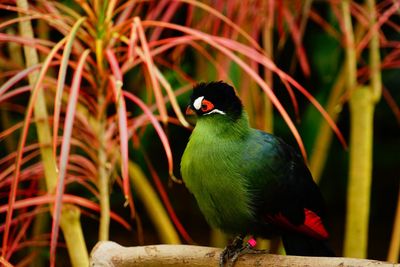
<point x="211" y="170"/>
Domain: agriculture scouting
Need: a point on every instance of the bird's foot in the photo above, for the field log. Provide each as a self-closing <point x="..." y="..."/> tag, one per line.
<point x="230" y="250"/>
<point x="234" y="250"/>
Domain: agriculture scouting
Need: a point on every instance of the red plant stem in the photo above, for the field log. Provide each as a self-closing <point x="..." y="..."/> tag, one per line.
<point x="116" y="85"/>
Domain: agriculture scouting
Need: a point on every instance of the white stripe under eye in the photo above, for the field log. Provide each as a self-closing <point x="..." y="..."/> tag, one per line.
<point x="215" y="111"/>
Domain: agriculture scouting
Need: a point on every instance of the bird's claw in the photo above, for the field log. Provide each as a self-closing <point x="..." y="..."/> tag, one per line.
<point x="234" y="250"/>
<point x="230" y="250"/>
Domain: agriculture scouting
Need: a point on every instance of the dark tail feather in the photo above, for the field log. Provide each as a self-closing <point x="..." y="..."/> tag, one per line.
<point x="301" y="245"/>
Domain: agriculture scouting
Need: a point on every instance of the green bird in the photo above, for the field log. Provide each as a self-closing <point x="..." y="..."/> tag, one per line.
<point x="248" y="182"/>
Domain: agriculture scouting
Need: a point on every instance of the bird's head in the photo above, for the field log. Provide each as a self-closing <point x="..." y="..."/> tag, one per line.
<point x="214" y="99"/>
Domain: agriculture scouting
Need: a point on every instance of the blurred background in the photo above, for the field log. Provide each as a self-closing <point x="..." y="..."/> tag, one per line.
<point x="92" y="130"/>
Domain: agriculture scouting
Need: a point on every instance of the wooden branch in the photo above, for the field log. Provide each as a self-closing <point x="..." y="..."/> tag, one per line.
<point x="111" y="254"/>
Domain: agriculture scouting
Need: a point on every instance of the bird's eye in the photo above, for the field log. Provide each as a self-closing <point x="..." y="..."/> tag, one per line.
<point x="206" y="106"/>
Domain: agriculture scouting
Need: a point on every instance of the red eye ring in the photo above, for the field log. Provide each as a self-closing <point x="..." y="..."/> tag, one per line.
<point x="206" y="106"/>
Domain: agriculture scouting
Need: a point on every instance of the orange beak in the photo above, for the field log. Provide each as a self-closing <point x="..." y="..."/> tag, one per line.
<point x="189" y="111"/>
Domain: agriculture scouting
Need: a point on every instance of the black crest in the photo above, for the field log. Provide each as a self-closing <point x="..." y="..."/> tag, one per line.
<point x="221" y="95"/>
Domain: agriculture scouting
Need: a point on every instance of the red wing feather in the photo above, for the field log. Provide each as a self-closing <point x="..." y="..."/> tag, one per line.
<point x="312" y="225"/>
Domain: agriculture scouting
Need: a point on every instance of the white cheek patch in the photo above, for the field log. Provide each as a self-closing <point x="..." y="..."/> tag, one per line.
<point x="215" y="111"/>
<point x="197" y="102"/>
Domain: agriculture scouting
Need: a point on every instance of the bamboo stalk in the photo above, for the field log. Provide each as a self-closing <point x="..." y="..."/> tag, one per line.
<point x="324" y="138"/>
<point x="41" y="221"/>
<point x="40" y="111"/>
<point x="73" y="235"/>
<point x="362" y="104"/>
<point x="394" y="248"/>
<point x="218" y="238"/>
<point x="358" y="191"/>
<point x="44" y="136"/>
<point x="109" y="254"/>
<point x="360" y="173"/>
<point x="154" y="208"/>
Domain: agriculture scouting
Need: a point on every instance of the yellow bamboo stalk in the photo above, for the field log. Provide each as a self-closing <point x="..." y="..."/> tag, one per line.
<point x="394" y="248"/>
<point x="44" y="136"/>
<point x="218" y="238"/>
<point x="42" y="220"/>
<point x="40" y="111"/>
<point x="154" y="208"/>
<point x="360" y="173"/>
<point x="362" y="103"/>
<point x="323" y="140"/>
<point x="70" y="222"/>
<point x="361" y="111"/>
